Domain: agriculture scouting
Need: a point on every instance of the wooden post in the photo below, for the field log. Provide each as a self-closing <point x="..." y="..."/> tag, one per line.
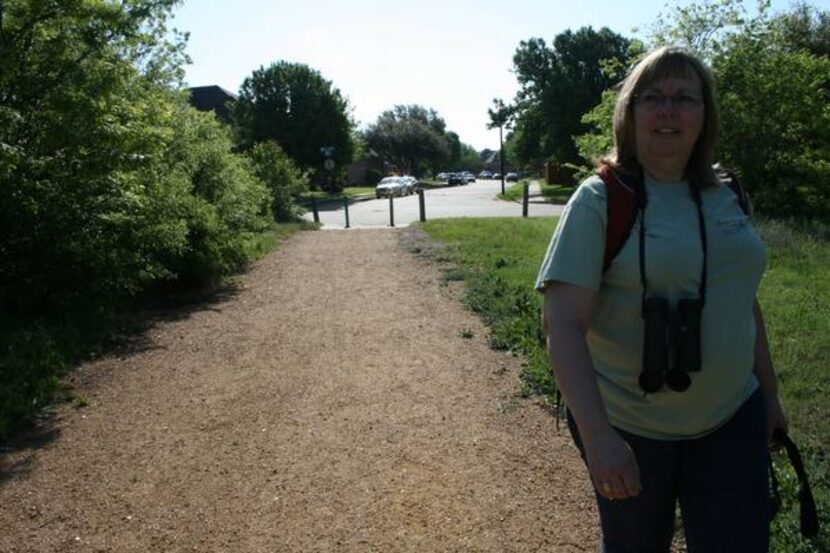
<point x="392" y="210"/>
<point x="525" y="198"/>
<point x="346" y="203"/>
<point x="314" y="209"/>
<point x="421" y="204"/>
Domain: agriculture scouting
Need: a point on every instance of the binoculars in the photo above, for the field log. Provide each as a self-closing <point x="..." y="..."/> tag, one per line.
<point x="671" y="344"/>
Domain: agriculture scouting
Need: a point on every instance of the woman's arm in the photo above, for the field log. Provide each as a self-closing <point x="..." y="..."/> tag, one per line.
<point x="766" y="375"/>
<point x="568" y="311"/>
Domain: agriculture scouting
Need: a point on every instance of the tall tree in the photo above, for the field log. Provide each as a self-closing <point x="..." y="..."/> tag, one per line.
<point x="776" y="123"/>
<point x="703" y="26"/>
<point x="558" y="84"/>
<point x="109" y="182"/>
<point x="85" y="111"/>
<point x="412" y="137"/>
<point x="295" y="106"/>
<point x="804" y="27"/>
<point x="772" y="77"/>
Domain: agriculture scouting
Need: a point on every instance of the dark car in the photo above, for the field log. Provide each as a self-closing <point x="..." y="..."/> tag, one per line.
<point x="456" y="178"/>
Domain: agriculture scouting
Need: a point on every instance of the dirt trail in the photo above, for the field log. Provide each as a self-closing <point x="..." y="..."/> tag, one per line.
<point x="331" y="403"/>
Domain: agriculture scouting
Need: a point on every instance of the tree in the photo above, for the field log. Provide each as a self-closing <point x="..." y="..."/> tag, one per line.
<point x="110" y="183"/>
<point x="296" y="107"/>
<point x="599" y="140"/>
<point x="282" y="177"/>
<point x="772" y="77"/>
<point x="776" y="124"/>
<point x="558" y="84"/>
<point x="469" y="159"/>
<point x="804" y="28"/>
<point x="413" y="138"/>
<point x="86" y="108"/>
<point x="702" y="27"/>
<point x="500" y="115"/>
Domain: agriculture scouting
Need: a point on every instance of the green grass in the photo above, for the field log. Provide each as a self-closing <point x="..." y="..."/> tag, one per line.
<point x="350" y="191"/>
<point x="557" y="193"/>
<point x="257" y="245"/>
<point x="499" y="259"/>
<point x="428" y="184"/>
<point x="513" y="192"/>
<point x="552" y="193"/>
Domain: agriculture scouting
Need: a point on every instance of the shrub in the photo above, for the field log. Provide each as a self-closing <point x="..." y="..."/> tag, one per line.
<point x="285" y="181"/>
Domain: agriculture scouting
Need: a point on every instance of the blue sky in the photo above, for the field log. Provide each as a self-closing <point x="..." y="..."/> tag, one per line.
<point x="453" y="56"/>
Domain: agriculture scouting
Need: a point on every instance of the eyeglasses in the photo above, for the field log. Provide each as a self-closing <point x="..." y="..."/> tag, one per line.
<point x="653" y="101"/>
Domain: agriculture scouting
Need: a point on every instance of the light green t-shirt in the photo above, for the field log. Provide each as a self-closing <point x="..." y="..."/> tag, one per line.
<point x="736" y="262"/>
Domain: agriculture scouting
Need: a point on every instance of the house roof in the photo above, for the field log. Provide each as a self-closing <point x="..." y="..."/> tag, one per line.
<point x="212" y="98"/>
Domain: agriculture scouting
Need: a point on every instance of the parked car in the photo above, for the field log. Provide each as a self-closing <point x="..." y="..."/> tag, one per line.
<point x="390" y="186"/>
<point x="441" y="176"/>
<point x="511" y="177"/>
<point x="497" y="175"/>
<point x="468" y="177"/>
<point x="411" y="183"/>
<point x="456" y="178"/>
<point x="485" y="175"/>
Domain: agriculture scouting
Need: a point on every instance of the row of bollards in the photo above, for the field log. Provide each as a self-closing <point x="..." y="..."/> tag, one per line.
<point x="316" y="213"/>
<point x="421" y="206"/>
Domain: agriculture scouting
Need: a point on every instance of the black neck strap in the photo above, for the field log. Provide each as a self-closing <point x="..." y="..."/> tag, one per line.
<point x="642" y="201"/>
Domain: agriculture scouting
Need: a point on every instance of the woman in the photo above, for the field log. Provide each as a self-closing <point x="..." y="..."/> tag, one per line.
<point x="650" y="439"/>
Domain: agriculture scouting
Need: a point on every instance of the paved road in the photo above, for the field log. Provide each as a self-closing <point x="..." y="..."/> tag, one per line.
<point x="473" y="200"/>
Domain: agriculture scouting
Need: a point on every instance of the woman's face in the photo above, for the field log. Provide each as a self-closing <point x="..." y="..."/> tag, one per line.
<point x="668" y="119"/>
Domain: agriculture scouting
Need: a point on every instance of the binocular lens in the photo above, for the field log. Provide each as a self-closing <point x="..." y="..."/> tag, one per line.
<point x="651" y="381"/>
<point x="671" y="344"/>
<point x="679" y="381"/>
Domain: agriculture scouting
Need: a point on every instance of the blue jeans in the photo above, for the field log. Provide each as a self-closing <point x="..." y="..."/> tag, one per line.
<point x="720" y="481"/>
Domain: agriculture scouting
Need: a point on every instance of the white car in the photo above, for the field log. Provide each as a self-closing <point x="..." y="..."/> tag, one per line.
<point x="411" y="184"/>
<point x="389" y="187"/>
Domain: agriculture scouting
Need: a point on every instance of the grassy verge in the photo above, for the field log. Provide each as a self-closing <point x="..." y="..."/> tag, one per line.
<point x="350" y="191"/>
<point x="36" y="354"/>
<point x="557" y="193"/>
<point x="499" y="259"/>
<point x="260" y="244"/>
<point x="553" y="193"/>
<point x="427" y="184"/>
<point x="513" y="193"/>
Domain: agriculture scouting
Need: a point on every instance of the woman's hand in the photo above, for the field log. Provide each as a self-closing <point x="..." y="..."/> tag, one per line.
<point x="613" y="465"/>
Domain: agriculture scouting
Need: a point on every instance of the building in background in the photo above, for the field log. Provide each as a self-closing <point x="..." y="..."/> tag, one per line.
<point x="212" y="98"/>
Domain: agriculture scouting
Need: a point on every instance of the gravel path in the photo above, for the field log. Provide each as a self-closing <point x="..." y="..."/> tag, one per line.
<point x="330" y="403"/>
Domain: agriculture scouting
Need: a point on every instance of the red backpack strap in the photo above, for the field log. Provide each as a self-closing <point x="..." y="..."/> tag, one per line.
<point x="622" y="212"/>
<point x="730" y="179"/>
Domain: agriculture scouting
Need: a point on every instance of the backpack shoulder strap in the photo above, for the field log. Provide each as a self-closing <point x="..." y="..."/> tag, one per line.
<point x="730" y="179"/>
<point x="622" y="212"/>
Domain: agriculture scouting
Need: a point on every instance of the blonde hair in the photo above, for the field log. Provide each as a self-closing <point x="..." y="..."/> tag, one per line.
<point x="666" y="61"/>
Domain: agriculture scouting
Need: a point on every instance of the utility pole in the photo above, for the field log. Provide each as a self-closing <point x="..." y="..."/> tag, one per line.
<point x="501" y="159"/>
<point x="500" y="115"/>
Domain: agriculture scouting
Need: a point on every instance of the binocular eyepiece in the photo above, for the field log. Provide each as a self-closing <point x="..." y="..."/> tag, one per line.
<point x="671" y="344"/>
